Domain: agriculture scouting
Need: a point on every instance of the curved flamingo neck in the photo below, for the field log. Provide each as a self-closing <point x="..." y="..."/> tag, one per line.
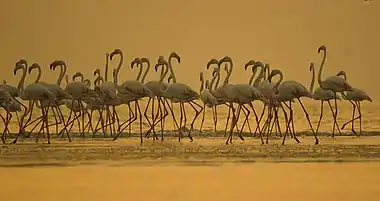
<point x="260" y="77"/>
<point x="217" y="79"/>
<point x="38" y="75"/>
<point x="320" y="82"/>
<point x="212" y="82"/>
<point x="252" y="76"/>
<point x="267" y="71"/>
<point x="146" y="71"/>
<point x="174" y="79"/>
<point x="81" y="77"/>
<point x="279" y="81"/>
<point x="202" y="82"/>
<point x="139" y="64"/>
<point x="61" y="74"/>
<point x="312" y="79"/>
<point x="20" y="86"/>
<point x="106" y="68"/>
<point x="120" y="63"/>
<point x="229" y="72"/>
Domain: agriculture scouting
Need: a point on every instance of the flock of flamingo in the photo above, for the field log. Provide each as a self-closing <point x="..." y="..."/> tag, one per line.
<point x="105" y="96"/>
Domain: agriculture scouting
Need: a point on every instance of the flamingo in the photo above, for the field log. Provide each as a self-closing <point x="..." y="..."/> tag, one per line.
<point x="355" y="96"/>
<point x="323" y="96"/>
<point x="108" y="93"/>
<point x="334" y="83"/>
<point x="5" y="99"/>
<point x="128" y="91"/>
<point x="32" y="92"/>
<point x="58" y="92"/>
<point x="157" y="87"/>
<point x="182" y="93"/>
<point x="207" y="98"/>
<point x="219" y="94"/>
<point x="14" y="105"/>
<point x="241" y="94"/>
<point x="286" y="92"/>
<point x="79" y="91"/>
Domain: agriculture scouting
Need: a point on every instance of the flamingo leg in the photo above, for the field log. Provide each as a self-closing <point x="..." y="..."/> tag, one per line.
<point x="180" y="121"/>
<point x="352" y="119"/>
<point x="234" y="121"/>
<point x="5" y="122"/>
<point x="320" y="118"/>
<point x="215" y="118"/>
<point x="154" y="119"/>
<point x="246" y="114"/>
<point x="161" y="106"/>
<point x="335" y="123"/>
<point x="228" y="119"/>
<point x="261" y="117"/>
<point x="308" y="120"/>
<point x="128" y="122"/>
<point x="146" y="116"/>
<point x="172" y="113"/>
<point x="287" y="121"/>
<point x="140" y="118"/>
<point x="277" y="122"/>
<point x="203" y="118"/>
<point x="267" y="124"/>
<point x="197" y="112"/>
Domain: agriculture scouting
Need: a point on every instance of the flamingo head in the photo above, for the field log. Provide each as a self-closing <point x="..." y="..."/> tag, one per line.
<point x="136" y="61"/>
<point x="115" y="52"/>
<point x="175" y="55"/>
<point x="225" y="59"/>
<point x="87" y="82"/>
<point x="97" y="72"/>
<point x="23" y="62"/>
<point x="33" y="66"/>
<point x="98" y="80"/>
<point x="342" y="73"/>
<point x="53" y="65"/>
<point x="18" y="67"/>
<point x="273" y="73"/>
<point x="160" y="63"/>
<point x="145" y="60"/>
<point x="212" y="61"/>
<point x="78" y="74"/>
<point x="215" y="71"/>
<point x="311" y="66"/>
<point x="322" y="48"/>
<point x="160" y="58"/>
<point x="249" y="63"/>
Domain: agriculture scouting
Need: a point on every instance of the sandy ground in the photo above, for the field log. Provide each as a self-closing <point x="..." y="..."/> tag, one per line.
<point x="261" y="181"/>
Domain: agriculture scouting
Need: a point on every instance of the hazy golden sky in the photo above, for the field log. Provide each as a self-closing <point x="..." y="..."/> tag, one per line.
<point x="285" y="34"/>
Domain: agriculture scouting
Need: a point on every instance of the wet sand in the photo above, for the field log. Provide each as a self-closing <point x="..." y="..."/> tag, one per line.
<point x="260" y="181"/>
<point x="345" y="168"/>
<point x="202" y="151"/>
